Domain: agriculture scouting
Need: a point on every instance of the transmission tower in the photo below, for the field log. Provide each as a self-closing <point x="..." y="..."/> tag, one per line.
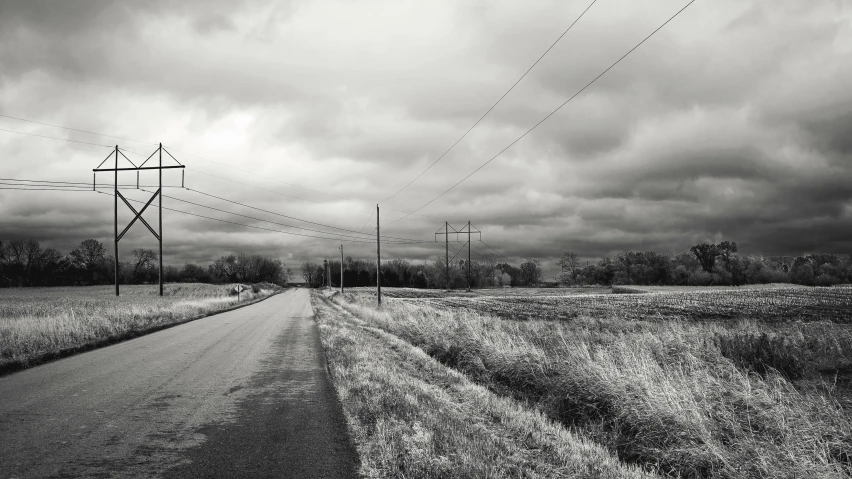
<point x="448" y="230"/>
<point x="137" y="215"/>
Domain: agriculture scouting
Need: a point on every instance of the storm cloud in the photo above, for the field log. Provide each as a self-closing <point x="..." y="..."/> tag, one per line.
<point x="733" y="122"/>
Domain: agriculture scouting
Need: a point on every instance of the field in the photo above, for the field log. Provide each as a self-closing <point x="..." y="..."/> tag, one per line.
<point x="768" y="303"/>
<point x="40" y="323"/>
<point x="674" y="382"/>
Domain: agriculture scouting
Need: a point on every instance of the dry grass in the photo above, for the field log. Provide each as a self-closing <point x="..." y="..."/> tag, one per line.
<point x="689" y="399"/>
<point x="38" y="323"/>
<point x="412" y="417"/>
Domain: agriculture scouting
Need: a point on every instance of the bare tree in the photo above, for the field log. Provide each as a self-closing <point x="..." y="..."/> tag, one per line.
<point x="17" y="253"/>
<point x="309" y="271"/>
<point x="88" y="256"/>
<point x="142" y="258"/>
<point x="570" y="262"/>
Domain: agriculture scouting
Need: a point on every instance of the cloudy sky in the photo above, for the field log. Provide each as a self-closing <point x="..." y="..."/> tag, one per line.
<point x="733" y="122"/>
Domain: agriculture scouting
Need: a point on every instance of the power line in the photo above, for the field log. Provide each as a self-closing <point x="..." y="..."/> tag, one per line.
<point x="552" y="112"/>
<point x="55" y="138"/>
<point x="270" y="191"/>
<point x="494" y="105"/>
<point x="293" y="217"/>
<point x="190" y="154"/>
<point x="367" y="220"/>
<point x="46" y="181"/>
<point x="259" y="219"/>
<point x="88" y="187"/>
<point x="174" y="149"/>
<point x="499" y="253"/>
<point x="248" y="226"/>
<point x="299" y="197"/>
<point x="75" y="129"/>
<point x="76" y="184"/>
<point x="42" y="189"/>
<point x="44" y="186"/>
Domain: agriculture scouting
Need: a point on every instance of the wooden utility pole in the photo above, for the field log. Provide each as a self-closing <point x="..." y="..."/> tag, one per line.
<point x="378" y="260"/>
<point x="341" y="269"/>
<point x="161" y="216"/>
<point x="115" y="195"/>
<point x="325" y="271"/>
<point x="469" y="247"/>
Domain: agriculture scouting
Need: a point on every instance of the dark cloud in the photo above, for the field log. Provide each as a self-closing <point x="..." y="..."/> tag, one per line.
<point x="731" y="123"/>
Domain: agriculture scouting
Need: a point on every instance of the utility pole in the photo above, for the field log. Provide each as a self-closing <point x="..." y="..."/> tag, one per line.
<point x="115" y="198"/>
<point x="378" y="261"/>
<point x="469" y="247"/>
<point x="137" y="215"/>
<point x="325" y="271"/>
<point x="161" y="216"/>
<point x="341" y="269"/>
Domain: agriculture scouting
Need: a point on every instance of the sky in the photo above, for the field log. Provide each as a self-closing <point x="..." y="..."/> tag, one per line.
<point x="733" y="122"/>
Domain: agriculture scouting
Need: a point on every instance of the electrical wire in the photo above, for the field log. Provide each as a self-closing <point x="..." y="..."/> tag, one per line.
<point x="306" y="199"/>
<point x="295" y="218"/>
<point x="494" y="105"/>
<point x="41" y="189"/>
<point x="552" y="112"/>
<point x="77" y="184"/>
<point x="123" y="149"/>
<point x="271" y="191"/>
<point x="55" y="138"/>
<point x="248" y="226"/>
<point x="75" y="129"/>
<point x="366" y="221"/>
<point x="499" y="253"/>
<point x="266" y="221"/>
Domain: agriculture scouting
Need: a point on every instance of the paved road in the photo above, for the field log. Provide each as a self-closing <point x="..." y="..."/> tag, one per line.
<point x="239" y="394"/>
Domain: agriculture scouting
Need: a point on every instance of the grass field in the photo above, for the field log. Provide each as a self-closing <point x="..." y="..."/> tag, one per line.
<point x="681" y="383"/>
<point x="39" y="323"/>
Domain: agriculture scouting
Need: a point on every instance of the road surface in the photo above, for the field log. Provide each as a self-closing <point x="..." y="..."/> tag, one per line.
<point x="239" y="394"/>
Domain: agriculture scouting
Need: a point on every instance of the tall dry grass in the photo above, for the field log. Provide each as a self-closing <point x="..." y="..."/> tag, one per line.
<point x="674" y="396"/>
<point x="39" y="323"/>
<point x="412" y="417"/>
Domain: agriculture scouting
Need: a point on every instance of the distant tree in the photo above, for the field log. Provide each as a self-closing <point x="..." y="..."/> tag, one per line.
<point x="52" y="268"/>
<point x="192" y="273"/>
<point x="142" y="259"/>
<point x="726" y="250"/>
<point x="569" y="261"/>
<point x="419" y="280"/>
<point x="89" y="257"/>
<point x="225" y="269"/>
<point x="706" y="255"/>
<point x="530" y="272"/>
<point x="308" y="270"/>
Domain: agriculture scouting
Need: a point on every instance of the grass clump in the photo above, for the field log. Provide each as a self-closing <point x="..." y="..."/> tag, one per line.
<point x="665" y="395"/>
<point x="411" y="416"/>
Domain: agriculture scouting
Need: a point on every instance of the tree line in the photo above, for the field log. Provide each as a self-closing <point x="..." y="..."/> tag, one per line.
<point x="25" y="262"/>
<point x="705" y="264"/>
<point x="484" y="273"/>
